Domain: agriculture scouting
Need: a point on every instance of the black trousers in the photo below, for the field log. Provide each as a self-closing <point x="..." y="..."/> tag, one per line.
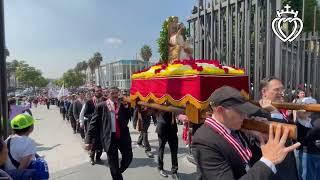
<point x="73" y="123"/>
<point x="83" y="130"/>
<point x="124" y="146"/>
<point x="63" y="112"/>
<point x="172" y="140"/>
<point x="143" y="138"/>
<point x="96" y="150"/>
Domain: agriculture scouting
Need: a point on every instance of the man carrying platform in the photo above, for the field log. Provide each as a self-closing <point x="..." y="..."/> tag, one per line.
<point x="223" y="152"/>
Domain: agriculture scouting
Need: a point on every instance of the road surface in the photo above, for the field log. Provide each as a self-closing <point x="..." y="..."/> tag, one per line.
<point x="68" y="161"/>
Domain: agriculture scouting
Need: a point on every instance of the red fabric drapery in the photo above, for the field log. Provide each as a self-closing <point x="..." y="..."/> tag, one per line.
<point x="180" y="90"/>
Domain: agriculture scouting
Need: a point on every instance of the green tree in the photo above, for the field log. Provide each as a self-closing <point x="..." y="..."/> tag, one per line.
<point x="72" y="78"/>
<point x="97" y="59"/>
<point x="42" y="82"/>
<point x="30" y="76"/>
<point x="163" y="42"/>
<point x="81" y="66"/>
<point x="94" y="63"/>
<point x="78" y="67"/>
<point x="92" y="66"/>
<point x="146" y="53"/>
<point x="58" y="82"/>
<point x="309" y="11"/>
<point x="84" y="66"/>
<point x="12" y="68"/>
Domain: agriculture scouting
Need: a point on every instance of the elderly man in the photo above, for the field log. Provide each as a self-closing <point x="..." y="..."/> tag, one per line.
<point x="221" y="150"/>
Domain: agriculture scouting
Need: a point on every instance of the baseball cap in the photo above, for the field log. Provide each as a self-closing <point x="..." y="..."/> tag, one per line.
<point x="227" y="96"/>
<point x="22" y="121"/>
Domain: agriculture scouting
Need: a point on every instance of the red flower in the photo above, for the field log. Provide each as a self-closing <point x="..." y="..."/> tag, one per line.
<point x="200" y="68"/>
<point x="164" y="66"/>
<point x="226" y="70"/>
<point x="194" y="66"/>
<point x="157" y="71"/>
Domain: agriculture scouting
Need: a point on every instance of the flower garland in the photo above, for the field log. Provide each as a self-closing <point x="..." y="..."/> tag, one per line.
<point x="187" y="67"/>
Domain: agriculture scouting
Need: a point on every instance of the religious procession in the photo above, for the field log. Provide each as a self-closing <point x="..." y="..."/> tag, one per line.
<point x="234" y="92"/>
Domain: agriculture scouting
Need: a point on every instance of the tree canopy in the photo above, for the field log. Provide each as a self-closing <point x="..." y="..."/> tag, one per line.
<point x="146" y="52"/>
<point x="29" y="76"/>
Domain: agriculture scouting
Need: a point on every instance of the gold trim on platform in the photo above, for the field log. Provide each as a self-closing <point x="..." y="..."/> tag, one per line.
<point x="167" y="98"/>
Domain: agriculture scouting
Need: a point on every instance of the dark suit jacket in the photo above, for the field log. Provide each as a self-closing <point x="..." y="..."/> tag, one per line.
<point x="89" y="109"/>
<point x="70" y="110"/>
<point x="77" y="106"/>
<point x="165" y="125"/>
<point x="100" y="125"/>
<point x="217" y="160"/>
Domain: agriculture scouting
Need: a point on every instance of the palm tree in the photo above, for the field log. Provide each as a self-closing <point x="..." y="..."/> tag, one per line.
<point x="97" y="59"/>
<point x="146" y="53"/>
<point x="84" y="66"/>
<point x="12" y="68"/>
<point x="92" y="66"/>
<point x="78" y="67"/>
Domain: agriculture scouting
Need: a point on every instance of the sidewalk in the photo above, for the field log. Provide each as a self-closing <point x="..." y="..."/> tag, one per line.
<point x="67" y="159"/>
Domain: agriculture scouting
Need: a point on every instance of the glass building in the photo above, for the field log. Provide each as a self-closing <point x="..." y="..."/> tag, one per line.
<point x="119" y="73"/>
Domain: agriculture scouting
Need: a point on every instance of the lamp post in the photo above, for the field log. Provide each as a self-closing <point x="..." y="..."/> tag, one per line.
<point x="3" y="76"/>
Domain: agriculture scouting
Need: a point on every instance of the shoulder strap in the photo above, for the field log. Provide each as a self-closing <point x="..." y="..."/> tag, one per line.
<point x="14" y="162"/>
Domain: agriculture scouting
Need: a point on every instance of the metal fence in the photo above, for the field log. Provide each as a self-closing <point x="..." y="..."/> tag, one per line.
<point x="238" y="32"/>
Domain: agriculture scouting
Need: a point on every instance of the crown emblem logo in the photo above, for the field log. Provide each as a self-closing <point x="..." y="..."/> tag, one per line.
<point x="290" y="16"/>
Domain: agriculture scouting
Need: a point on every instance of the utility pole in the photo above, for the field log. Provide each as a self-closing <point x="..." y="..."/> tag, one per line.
<point x="3" y="77"/>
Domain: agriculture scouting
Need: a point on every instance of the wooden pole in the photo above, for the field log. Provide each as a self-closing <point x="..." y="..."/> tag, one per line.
<point x="248" y="124"/>
<point x="293" y="106"/>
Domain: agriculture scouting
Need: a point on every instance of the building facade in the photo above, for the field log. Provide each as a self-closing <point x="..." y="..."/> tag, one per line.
<point x="119" y="73"/>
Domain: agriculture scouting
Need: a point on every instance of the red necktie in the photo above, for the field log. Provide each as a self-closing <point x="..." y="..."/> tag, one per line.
<point x="118" y="133"/>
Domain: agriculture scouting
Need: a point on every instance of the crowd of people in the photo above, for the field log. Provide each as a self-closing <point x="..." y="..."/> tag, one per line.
<point x="102" y="117"/>
<point x="220" y="149"/>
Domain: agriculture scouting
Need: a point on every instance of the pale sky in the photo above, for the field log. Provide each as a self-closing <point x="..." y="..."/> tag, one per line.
<point x="53" y="35"/>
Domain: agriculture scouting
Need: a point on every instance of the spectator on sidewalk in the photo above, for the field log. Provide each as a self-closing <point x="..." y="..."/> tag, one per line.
<point x="15" y="109"/>
<point x="22" y="149"/>
<point x="3" y="159"/>
<point x="299" y="95"/>
<point x="309" y="136"/>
